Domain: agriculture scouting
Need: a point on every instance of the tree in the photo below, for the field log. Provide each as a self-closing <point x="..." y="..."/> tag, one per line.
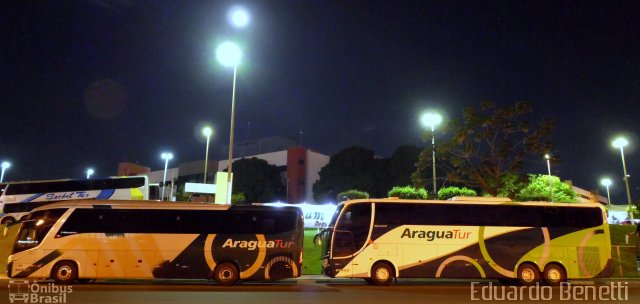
<point x="408" y="192"/>
<point x="402" y="164"/>
<point x="540" y="186"/>
<point x="351" y="168"/>
<point x="488" y="145"/>
<point x="258" y="180"/>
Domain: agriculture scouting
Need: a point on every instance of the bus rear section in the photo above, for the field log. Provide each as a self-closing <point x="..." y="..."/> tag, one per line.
<point x="101" y="240"/>
<point x="379" y="240"/>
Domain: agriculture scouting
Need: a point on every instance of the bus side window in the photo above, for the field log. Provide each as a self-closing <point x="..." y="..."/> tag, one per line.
<point x="391" y="214"/>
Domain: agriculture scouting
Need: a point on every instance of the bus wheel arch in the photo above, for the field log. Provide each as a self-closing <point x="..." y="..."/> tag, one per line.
<point x="226" y="273"/>
<point x="64" y="272"/>
<point x="554" y="273"/>
<point x="382" y="273"/>
<point x="528" y="273"/>
<point x="7" y="220"/>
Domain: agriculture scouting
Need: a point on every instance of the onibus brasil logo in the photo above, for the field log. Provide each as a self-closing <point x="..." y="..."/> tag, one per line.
<point x="23" y="291"/>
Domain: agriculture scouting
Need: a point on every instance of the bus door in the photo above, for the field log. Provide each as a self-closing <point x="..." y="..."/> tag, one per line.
<point x="349" y="237"/>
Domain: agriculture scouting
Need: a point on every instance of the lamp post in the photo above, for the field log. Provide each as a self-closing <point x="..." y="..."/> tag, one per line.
<point x="621" y="142"/>
<point x="229" y="55"/>
<point x="432" y="119"/>
<point x="548" y="158"/>
<point x="5" y="165"/>
<point x="89" y="173"/>
<point x="607" y="182"/>
<point x="166" y="156"/>
<point x="206" y="131"/>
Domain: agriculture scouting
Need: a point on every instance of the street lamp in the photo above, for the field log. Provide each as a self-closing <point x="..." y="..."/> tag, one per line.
<point x="607" y="182"/>
<point x="229" y="55"/>
<point x="238" y="17"/>
<point x="548" y="158"/>
<point x="206" y="131"/>
<point x="90" y="172"/>
<point x="166" y="157"/>
<point x="432" y="119"/>
<point x="5" y="165"/>
<point x="621" y="142"/>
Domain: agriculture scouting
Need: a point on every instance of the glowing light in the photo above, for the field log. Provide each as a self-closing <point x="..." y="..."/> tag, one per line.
<point x="229" y="54"/>
<point x="620" y="142"/>
<point x="166" y="156"/>
<point x="431" y="119"/>
<point x="606" y="182"/>
<point x="239" y="17"/>
<point x="207" y="131"/>
<point x="90" y="172"/>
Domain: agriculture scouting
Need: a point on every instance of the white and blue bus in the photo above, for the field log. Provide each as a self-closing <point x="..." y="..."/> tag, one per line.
<point x="87" y="239"/>
<point x="19" y="198"/>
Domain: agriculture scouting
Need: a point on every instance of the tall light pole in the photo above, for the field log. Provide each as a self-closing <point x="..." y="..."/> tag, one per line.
<point x="229" y="55"/>
<point x="432" y="119"/>
<point x="166" y="156"/>
<point x="206" y="131"/>
<point x="90" y="172"/>
<point x="621" y="142"/>
<point x="5" y="165"/>
<point x="548" y="158"/>
<point x="606" y="182"/>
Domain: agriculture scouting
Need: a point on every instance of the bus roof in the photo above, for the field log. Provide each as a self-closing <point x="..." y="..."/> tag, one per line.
<point x="69" y="179"/>
<point x="471" y="201"/>
<point x="138" y="204"/>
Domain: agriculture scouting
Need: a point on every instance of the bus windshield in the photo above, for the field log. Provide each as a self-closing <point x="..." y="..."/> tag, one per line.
<point x="325" y="234"/>
<point x="33" y="230"/>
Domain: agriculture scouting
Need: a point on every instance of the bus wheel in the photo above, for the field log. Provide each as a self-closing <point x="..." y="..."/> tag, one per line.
<point x="528" y="274"/>
<point x="64" y="272"/>
<point x="381" y="274"/>
<point x="554" y="274"/>
<point x="226" y="274"/>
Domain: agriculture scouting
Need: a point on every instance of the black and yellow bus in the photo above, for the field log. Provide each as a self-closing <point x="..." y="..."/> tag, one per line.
<point x="382" y="239"/>
<point x="89" y="240"/>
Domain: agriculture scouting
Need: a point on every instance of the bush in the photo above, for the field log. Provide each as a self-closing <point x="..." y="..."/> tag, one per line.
<point x="408" y="192"/>
<point x="238" y="199"/>
<point x="351" y="194"/>
<point x="449" y="192"/>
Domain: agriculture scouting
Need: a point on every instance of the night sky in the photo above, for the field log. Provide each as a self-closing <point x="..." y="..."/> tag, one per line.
<point x="97" y="82"/>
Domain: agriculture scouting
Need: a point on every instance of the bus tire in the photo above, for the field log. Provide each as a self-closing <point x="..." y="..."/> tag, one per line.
<point x="382" y="274"/>
<point x="7" y="220"/>
<point x="528" y="274"/>
<point x="226" y="274"/>
<point x="64" y="272"/>
<point x="554" y="274"/>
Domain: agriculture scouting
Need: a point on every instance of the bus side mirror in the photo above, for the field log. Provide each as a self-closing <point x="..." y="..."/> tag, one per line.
<point x="317" y="240"/>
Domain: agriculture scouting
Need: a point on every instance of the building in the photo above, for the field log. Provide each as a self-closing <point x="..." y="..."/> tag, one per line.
<point x="299" y="167"/>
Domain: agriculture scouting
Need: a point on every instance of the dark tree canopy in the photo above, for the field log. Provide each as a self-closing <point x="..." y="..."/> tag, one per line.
<point x="490" y="143"/>
<point x="258" y="180"/>
<point x="358" y="168"/>
<point x="351" y="168"/>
